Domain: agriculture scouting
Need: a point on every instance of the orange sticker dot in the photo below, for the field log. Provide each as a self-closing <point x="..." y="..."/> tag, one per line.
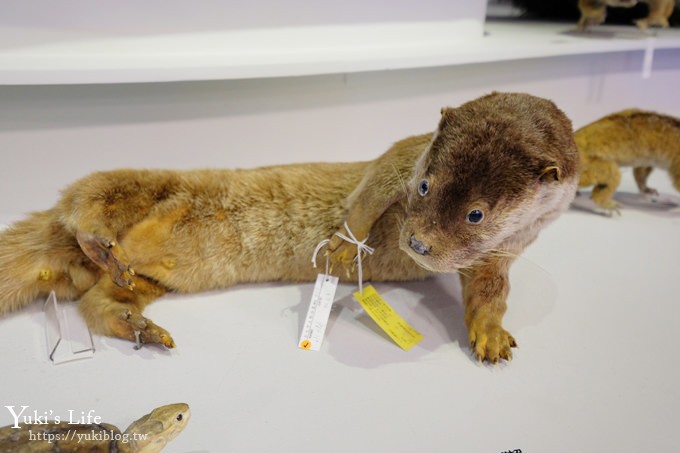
<point x="306" y="344"/>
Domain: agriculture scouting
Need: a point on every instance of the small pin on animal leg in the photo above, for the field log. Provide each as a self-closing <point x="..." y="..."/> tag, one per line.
<point x="138" y="343"/>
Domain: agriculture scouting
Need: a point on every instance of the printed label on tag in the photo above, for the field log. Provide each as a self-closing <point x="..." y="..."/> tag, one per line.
<point x="318" y="313"/>
<point x="394" y="325"/>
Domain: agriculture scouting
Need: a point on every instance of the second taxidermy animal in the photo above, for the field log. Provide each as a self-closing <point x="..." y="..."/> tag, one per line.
<point x="634" y="138"/>
<point x="594" y="12"/>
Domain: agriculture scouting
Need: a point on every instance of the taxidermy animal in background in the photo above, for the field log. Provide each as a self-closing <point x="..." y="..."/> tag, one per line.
<point x="594" y="12"/>
<point x="636" y="138"/>
<point x="467" y="198"/>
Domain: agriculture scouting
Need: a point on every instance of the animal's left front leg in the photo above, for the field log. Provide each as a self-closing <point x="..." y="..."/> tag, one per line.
<point x="485" y="290"/>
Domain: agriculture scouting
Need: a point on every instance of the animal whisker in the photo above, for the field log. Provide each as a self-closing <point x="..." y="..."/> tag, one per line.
<point x="401" y="180"/>
<point x="502" y="253"/>
<point x="463" y="272"/>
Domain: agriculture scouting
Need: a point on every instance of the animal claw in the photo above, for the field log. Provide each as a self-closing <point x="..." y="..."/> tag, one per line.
<point x="167" y="341"/>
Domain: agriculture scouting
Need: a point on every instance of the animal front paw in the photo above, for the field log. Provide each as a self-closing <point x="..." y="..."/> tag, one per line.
<point x="343" y="253"/>
<point x="609" y="207"/>
<point x="128" y="325"/>
<point x="489" y="341"/>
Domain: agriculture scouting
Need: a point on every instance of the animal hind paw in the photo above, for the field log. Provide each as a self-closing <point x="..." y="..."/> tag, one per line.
<point x="128" y="325"/>
<point x="108" y="255"/>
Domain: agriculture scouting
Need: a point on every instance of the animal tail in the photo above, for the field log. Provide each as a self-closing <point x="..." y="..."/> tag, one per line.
<point x="38" y="255"/>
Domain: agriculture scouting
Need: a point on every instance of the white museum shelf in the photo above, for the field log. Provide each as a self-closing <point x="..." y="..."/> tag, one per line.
<point x="41" y="56"/>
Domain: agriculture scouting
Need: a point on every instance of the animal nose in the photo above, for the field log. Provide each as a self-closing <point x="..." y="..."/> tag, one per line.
<point x="419" y="247"/>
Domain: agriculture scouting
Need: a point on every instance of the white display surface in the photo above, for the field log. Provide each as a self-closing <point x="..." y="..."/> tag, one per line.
<point x="593" y="308"/>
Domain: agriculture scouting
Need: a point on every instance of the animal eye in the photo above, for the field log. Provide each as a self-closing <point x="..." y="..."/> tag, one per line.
<point x="179" y="418"/>
<point x="475" y="216"/>
<point x="423" y="187"/>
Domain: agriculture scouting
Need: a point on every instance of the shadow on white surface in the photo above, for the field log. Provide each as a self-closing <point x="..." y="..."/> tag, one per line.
<point x="610" y="33"/>
<point x="434" y="308"/>
<point x="662" y="205"/>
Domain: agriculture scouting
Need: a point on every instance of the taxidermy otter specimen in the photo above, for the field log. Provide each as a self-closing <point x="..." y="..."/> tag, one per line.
<point x="636" y="138"/>
<point x="594" y="12"/>
<point x="468" y="197"/>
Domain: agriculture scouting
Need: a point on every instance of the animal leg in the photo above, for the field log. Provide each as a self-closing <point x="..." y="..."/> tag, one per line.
<point x="657" y="15"/>
<point x="590" y="15"/>
<point x="668" y="10"/>
<point x="106" y="253"/>
<point x="674" y="173"/>
<point x="641" y="174"/>
<point x="383" y="184"/>
<point x="605" y="176"/>
<point x="485" y="290"/>
<point x="114" y="311"/>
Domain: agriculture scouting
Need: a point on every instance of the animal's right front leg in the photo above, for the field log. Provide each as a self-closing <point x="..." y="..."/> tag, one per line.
<point x="106" y="253"/>
<point x="360" y="222"/>
<point x="116" y="312"/>
<point x="383" y="184"/>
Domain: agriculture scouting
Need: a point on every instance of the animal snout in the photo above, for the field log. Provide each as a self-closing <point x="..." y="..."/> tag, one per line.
<point x="419" y="247"/>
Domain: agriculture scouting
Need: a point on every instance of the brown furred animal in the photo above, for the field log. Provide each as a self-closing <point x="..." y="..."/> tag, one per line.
<point x="467" y="198"/>
<point x="634" y="138"/>
<point x="594" y="12"/>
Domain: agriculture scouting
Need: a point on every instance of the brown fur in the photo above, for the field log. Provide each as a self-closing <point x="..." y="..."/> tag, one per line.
<point x="639" y="139"/>
<point x="594" y="12"/>
<point x="512" y="155"/>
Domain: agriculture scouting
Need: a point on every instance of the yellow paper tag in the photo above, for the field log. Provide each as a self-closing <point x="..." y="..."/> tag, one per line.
<point x="394" y="325"/>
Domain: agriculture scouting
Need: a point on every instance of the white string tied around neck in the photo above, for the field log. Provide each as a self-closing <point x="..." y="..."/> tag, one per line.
<point x="361" y="248"/>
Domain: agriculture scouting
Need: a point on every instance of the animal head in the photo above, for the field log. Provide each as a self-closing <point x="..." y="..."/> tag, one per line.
<point x="494" y="167"/>
<point x="154" y="430"/>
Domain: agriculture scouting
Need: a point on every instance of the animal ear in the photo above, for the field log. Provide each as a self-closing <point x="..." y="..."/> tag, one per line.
<point x="550" y="173"/>
<point x="443" y="109"/>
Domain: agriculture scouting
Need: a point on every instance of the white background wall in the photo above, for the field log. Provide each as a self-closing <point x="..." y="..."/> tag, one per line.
<point x="51" y="135"/>
<point x="126" y="17"/>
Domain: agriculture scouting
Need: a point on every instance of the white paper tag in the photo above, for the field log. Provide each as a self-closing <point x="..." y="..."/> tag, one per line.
<point x="318" y="313"/>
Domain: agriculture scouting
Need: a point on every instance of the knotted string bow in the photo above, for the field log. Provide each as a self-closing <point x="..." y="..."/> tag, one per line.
<point x="361" y="248"/>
